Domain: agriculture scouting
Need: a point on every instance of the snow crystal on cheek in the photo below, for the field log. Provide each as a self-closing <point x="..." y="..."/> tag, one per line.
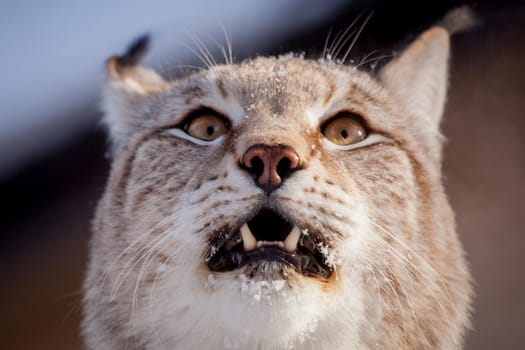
<point x="210" y="282"/>
<point x="330" y="255"/>
<point x="281" y="71"/>
<point x="162" y="267"/>
<point x="260" y="290"/>
<point x="213" y="250"/>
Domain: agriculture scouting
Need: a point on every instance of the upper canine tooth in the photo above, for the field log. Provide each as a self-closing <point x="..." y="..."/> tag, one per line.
<point x="248" y="240"/>
<point x="290" y="243"/>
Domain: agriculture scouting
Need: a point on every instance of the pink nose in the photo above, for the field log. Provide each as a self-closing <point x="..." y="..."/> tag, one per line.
<point x="270" y="165"/>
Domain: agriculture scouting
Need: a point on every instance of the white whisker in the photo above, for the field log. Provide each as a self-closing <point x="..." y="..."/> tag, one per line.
<point x="325" y="47"/>
<point x="149" y="256"/>
<point x="429" y="282"/>
<point x="335" y="46"/>
<point x="372" y="60"/>
<point x="122" y="276"/>
<point x="229" y="46"/>
<point x="365" y="22"/>
<point x="205" y="52"/>
<point x="112" y="266"/>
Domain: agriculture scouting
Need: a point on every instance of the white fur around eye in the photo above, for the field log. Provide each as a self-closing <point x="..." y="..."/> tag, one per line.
<point x="370" y="140"/>
<point x="183" y="135"/>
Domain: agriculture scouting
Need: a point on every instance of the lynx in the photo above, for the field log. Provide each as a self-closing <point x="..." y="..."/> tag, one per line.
<point x="277" y="203"/>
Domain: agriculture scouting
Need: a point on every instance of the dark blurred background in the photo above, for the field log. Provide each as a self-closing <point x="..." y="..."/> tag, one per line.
<point x="53" y="164"/>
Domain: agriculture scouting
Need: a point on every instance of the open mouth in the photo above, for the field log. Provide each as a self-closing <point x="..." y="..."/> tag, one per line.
<point x="269" y="237"/>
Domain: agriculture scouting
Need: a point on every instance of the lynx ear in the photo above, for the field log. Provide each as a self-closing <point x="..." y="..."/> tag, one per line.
<point x="129" y="93"/>
<point x="418" y="80"/>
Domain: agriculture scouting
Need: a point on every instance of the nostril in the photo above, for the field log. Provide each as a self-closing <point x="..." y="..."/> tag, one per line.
<point x="257" y="166"/>
<point x="283" y="167"/>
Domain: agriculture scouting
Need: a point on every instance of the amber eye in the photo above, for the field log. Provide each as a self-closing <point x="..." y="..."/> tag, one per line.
<point x="206" y="126"/>
<point x="344" y="129"/>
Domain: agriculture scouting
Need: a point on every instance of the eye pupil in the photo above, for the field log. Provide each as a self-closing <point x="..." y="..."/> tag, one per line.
<point x="344" y="134"/>
<point x="210" y="130"/>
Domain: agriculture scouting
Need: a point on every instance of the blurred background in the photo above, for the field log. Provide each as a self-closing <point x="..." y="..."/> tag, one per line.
<point x="53" y="164"/>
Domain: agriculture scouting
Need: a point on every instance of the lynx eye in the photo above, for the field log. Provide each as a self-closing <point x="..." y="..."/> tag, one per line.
<point x="344" y="129"/>
<point x="206" y="126"/>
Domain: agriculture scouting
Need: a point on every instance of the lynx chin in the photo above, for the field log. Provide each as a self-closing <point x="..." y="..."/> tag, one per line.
<point x="277" y="203"/>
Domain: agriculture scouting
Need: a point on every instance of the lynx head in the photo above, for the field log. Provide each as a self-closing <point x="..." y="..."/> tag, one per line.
<point x="277" y="203"/>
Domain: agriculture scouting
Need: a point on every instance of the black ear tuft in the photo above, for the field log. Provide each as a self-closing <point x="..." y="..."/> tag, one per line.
<point x="135" y="52"/>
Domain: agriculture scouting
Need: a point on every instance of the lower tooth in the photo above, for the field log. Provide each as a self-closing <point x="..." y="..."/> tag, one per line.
<point x="248" y="240"/>
<point x="290" y="243"/>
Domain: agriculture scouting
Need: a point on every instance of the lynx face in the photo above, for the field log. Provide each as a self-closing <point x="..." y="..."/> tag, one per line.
<point x="277" y="203"/>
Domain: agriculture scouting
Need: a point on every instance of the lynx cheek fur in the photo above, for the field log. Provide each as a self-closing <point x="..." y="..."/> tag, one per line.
<point x="277" y="203"/>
